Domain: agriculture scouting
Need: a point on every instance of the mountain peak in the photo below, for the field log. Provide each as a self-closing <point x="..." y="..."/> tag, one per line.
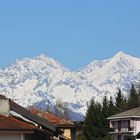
<point x="41" y="56"/>
<point x="120" y="54"/>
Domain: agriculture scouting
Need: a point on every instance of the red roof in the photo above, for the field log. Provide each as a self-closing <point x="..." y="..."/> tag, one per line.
<point x="10" y="123"/>
<point x="52" y="118"/>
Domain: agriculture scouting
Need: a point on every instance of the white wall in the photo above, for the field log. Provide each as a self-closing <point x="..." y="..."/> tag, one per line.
<point x="10" y="137"/>
<point x="137" y="126"/>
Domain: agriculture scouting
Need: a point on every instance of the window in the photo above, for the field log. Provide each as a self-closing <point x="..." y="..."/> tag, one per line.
<point x="129" y="128"/>
<point x="119" y="125"/>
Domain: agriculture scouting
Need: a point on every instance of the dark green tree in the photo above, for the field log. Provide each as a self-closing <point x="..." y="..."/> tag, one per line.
<point x="105" y="107"/>
<point x="120" y="102"/>
<point x="105" y="114"/>
<point x="133" y="99"/>
<point x="111" y="107"/>
<point x="93" y="126"/>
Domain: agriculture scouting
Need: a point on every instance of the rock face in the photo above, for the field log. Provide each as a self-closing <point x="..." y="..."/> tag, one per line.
<point x="43" y="81"/>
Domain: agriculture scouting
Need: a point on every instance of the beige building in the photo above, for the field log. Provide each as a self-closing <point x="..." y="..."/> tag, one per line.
<point x="125" y="125"/>
<point x="68" y="127"/>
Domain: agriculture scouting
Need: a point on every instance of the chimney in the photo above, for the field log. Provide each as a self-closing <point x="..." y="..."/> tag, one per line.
<point x="4" y="106"/>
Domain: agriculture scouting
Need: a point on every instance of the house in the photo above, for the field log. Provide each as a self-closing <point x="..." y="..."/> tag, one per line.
<point x="14" y="129"/>
<point x="19" y="123"/>
<point x="125" y="125"/>
<point x="68" y="127"/>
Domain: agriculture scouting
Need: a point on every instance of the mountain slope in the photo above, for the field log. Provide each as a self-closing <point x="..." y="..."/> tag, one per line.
<point x="43" y="81"/>
<point x="111" y="74"/>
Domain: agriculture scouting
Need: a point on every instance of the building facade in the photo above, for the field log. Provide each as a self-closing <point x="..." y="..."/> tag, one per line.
<point x="125" y="125"/>
<point x="68" y="127"/>
<point x="18" y="123"/>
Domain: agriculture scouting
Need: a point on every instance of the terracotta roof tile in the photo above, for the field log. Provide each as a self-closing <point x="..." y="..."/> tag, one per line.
<point x="33" y="117"/>
<point x="10" y="123"/>
<point x="52" y="118"/>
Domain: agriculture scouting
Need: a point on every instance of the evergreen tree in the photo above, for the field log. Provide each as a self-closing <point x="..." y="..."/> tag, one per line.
<point x="111" y="107"/>
<point x="121" y="102"/>
<point x="96" y="124"/>
<point x="105" y="107"/>
<point x="139" y="99"/>
<point x="105" y="114"/>
<point x="133" y="99"/>
<point x="93" y="127"/>
<point x="125" y="104"/>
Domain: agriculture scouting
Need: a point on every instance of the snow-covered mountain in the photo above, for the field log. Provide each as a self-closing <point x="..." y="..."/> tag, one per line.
<point x="43" y="81"/>
<point x="109" y="75"/>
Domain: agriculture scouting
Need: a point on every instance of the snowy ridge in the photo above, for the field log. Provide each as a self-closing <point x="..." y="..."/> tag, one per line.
<point x="109" y="75"/>
<point x="43" y="81"/>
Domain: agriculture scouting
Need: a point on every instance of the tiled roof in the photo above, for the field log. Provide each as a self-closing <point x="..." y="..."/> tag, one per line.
<point x="33" y="117"/>
<point x="52" y="118"/>
<point x="10" y="123"/>
<point x="130" y="113"/>
<point x="27" y="114"/>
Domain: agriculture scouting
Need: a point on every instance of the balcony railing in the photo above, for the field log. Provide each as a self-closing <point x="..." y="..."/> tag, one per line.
<point x="115" y="130"/>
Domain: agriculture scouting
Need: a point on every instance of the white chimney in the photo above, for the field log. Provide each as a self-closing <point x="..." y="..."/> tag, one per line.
<point x="4" y="106"/>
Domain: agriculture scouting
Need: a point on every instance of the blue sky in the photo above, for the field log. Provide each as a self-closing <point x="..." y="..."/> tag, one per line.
<point x="74" y="32"/>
